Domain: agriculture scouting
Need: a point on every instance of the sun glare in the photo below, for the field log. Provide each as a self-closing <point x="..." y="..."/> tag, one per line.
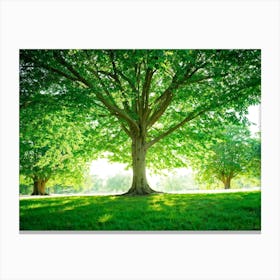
<point x="104" y="169"/>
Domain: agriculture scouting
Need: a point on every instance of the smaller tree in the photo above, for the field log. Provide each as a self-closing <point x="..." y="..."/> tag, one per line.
<point x="54" y="143"/>
<point x="230" y="153"/>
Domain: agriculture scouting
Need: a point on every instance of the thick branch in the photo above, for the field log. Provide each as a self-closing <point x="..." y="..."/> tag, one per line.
<point x="113" y="109"/>
<point x="163" y="101"/>
<point x="212" y="106"/>
<point x="104" y="88"/>
<point x="167" y="96"/>
<point x="126" y="130"/>
<point x="117" y="80"/>
<point x="52" y="69"/>
<point x="111" y="106"/>
<point x="130" y="82"/>
<point x="144" y="102"/>
<point x="62" y="61"/>
<point x="173" y="128"/>
<point x="177" y="81"/>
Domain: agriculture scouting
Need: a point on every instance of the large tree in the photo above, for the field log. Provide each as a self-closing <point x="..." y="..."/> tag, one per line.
<point x="151" y="93"/>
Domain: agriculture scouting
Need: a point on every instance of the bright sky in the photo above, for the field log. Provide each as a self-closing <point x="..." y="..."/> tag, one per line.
<point x="103" y="168"/>
<point x="255" y="117"/>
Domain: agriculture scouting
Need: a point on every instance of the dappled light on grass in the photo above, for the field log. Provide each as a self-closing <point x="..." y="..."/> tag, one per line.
<point x="54" y="204"/>
<point x="69" y="208"/>
<point x="155" y="202"/>
<point x="169" y="203"/>
<point x="227" y="211"/>
<point x="105" y="218"/>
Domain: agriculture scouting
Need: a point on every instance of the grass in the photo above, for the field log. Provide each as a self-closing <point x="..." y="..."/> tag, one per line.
<point x="222" y="211"/>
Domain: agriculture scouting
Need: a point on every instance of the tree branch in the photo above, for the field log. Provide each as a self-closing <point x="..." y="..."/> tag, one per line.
<point x="113" y="108"/>
<point x="116" y="78"/>
<point x="52" y="69"/>
<point x="173" y="128"/>
<point x="191" y="116"/>
<point x="163" y="101"/>
<point x="126" y="130"/>
<point x="62" y="61"/>
<point x="144" y="102"/>
<point x="167" y="96"/>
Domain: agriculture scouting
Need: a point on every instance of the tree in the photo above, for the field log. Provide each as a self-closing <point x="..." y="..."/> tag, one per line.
<point x="178" y="182"/>
<point x="53" y="143"/>
<point x="150" y="94"/>
<point x="230" y="153"/>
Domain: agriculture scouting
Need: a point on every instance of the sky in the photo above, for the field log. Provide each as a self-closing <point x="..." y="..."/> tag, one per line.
<point x="103" y="168"/>
<point x="255" y="117"/>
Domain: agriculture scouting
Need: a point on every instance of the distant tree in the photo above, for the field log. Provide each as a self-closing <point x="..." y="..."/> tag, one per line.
<point x="96" y="185"/>
<point x="25" y="189"/>
<point x="148" y="94"/>
<point x="176" y="181"/>
<point x="231" y="152"/>
<point x="118" y="182"/>
<point x="65" y="189"/>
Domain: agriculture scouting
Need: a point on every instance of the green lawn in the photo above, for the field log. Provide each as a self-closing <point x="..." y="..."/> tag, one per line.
<point x="222" y="211"/>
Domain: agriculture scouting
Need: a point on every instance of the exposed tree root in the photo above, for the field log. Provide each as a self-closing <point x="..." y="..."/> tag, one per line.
<point x="143" y="190"/>
<point x="38" y="193"/>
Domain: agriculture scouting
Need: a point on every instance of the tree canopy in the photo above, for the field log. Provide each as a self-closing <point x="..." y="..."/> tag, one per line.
<point x="54" y="143"/>
<point x="146" y="96"/>
<point x="231" y="152"/>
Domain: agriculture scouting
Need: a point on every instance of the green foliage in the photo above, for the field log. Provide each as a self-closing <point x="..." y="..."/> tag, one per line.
<point x="171" y="96"/>
<point x="175" y="181"/>
<point x="118" y="182"/>
<point x="65" y="189"/>
<point x="230" y="211"/>
<point x="230" y="152"/>
<point x="114" y="184"/>
<point x="25" y="189"/>
<point x="55" y="141"/>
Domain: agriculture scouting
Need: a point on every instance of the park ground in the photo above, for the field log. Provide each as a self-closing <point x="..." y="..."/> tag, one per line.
<point x="156" y="212"/>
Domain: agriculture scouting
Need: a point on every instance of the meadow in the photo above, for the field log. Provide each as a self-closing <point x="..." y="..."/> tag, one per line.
<point x="157" y="212"/>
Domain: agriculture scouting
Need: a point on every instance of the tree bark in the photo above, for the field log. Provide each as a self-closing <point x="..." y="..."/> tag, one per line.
<point x="227" y="182"/>
<point x="39" y="186"/>
<point x="140" y="184"/>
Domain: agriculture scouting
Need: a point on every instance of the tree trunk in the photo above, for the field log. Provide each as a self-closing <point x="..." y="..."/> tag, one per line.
<point x="39" y="186"/>
<point x="140" y="184"/>
<point x="227" y="182"/>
